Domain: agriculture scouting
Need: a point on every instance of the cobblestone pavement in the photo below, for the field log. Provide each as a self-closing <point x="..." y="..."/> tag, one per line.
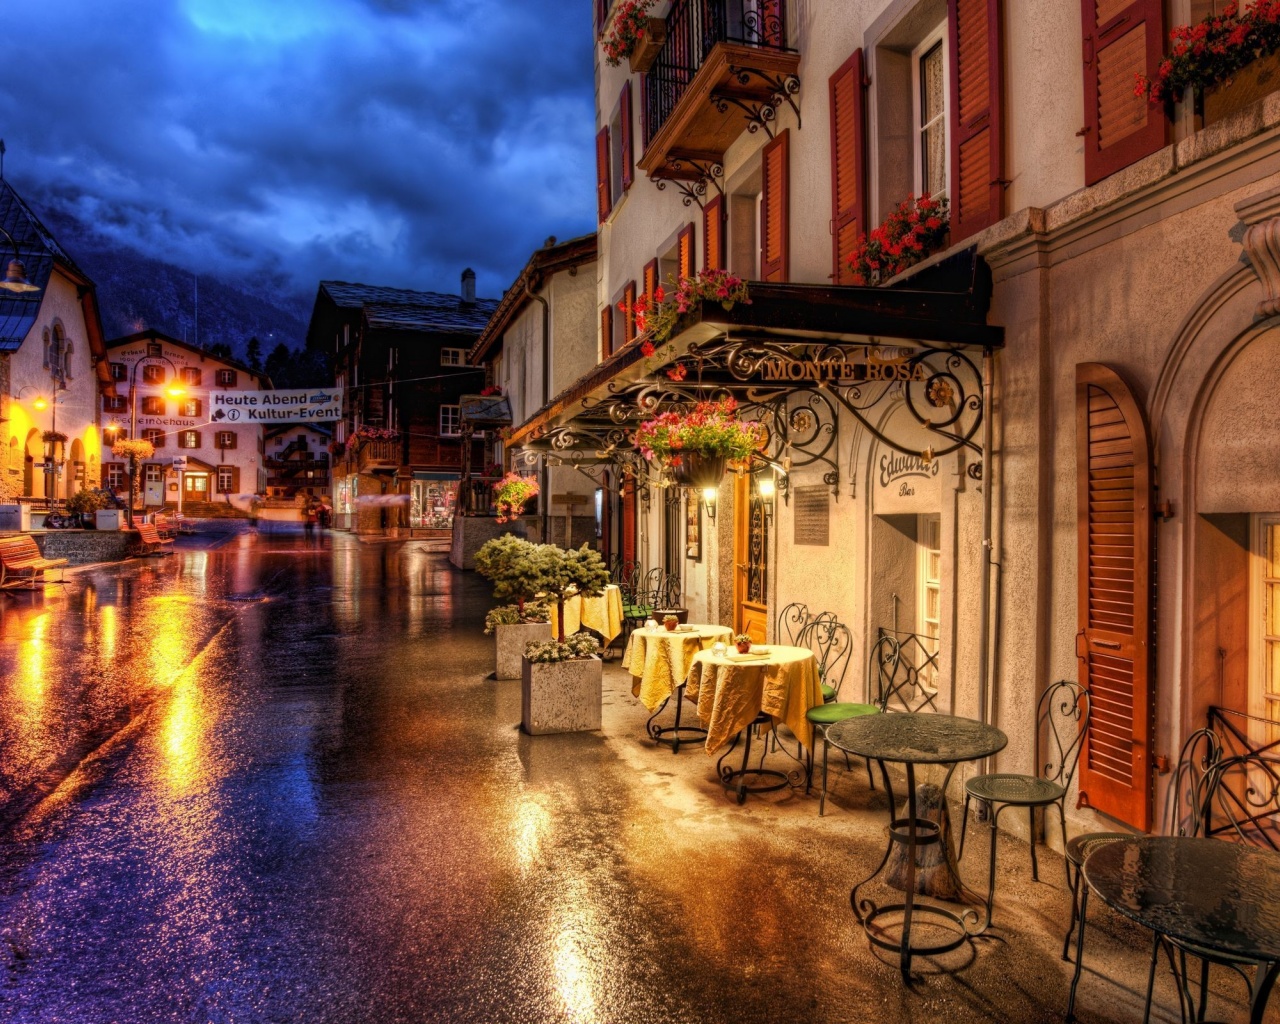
<point x="272" y="782"/>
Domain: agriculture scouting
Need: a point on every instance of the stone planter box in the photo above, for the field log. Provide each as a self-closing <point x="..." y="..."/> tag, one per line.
<point x="510" y="641"/>
<point x="1250" y="84"/>
<point x="562" y="696"/>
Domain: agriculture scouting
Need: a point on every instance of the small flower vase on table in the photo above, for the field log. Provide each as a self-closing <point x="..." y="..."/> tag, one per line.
<point x="743" y="643"/>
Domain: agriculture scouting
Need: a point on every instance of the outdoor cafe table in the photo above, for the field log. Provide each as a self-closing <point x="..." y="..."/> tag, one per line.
<point x="912" y="738"/>
<point x="658" y="660"/>
<point x="733" y="690"/>
<point x="1217" y="895"/>
<point x="603" y="613"/>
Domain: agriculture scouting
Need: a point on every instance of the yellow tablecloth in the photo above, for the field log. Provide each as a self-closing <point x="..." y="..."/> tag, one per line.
<point x="659" y="660"/>
<point x="602" y="613"/>
<point x="731" y="693"/>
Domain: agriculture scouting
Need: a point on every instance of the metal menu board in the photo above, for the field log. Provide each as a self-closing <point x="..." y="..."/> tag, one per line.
<point x="813" y="515"/>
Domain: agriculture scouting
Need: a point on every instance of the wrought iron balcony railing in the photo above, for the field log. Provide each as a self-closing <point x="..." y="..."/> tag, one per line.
<point x="694" y="27"/>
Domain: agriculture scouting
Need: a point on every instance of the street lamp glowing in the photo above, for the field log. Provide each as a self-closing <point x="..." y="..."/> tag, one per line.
<point x="40" y="403"/>
<point x="175" y="392"/>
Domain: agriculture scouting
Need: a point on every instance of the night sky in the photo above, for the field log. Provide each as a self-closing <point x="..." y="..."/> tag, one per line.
<point x="385" y="141"/>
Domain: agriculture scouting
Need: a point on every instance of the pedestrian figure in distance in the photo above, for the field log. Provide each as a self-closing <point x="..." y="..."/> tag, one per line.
<point x="326" y="513"/>
<point x="309" y="517"/>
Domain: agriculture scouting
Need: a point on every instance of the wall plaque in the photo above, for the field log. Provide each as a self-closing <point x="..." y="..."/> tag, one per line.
<point x="813" y="515"/>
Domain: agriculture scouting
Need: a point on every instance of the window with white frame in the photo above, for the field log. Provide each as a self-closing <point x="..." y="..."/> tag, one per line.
<point x="1264" y="659"/>
<point x="453" y="356"/>
<point x="190" y="375"/>
<point x="189" y="439"/>
<point x="114" y="473"/>
<point x="450" y="421"/>
<point x="225" y="378"/>
<point x="226" y="479"/>
<point x="225" y="439"/>
<point x="929" y="104"/>
<point x="929" y="593"/>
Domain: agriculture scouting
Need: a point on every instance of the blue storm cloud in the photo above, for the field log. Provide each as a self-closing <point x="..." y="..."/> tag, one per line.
<point x="386" y="141"/>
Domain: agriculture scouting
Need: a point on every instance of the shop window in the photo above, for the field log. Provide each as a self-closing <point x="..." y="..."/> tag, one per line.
<point x="450" y="421"/>
<point x="929" y="105"/>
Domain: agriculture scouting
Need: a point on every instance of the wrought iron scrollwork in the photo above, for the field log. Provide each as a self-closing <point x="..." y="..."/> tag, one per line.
<point x="692" y="188"/>
<point x="760" y="113"/>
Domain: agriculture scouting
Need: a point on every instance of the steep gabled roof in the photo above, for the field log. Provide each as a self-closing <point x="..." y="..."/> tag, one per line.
<point x="39" y="252"/>
<point x="408" y="310"/>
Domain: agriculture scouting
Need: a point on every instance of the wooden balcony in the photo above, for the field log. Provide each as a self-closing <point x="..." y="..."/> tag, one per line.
<point x="724" y="69"/>
<point x="378" y="455"/>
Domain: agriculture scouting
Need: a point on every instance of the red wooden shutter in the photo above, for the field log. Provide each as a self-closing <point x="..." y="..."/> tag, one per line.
<point x="629" y="321"/>
<point x="628" y="157"/>
<point x="687" y="263"/>
<point x="977" y="144"/>
<point x="713" y="234"/>
<point x="848" y="163"/>
<point x="604" y="198"/>
<point x="775" y="209"/>
<point x="235" y="479"/>
<point x="1114" y="581"/>
<point x="650" y="281"/>
<point x="1122" y="38"/>
<point x="606" y="332"/>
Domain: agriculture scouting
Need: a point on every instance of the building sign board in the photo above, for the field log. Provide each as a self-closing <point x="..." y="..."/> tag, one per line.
<point x="906" y="483"/>
<point x="857" y="366"/>
<point x="303" y="405"/>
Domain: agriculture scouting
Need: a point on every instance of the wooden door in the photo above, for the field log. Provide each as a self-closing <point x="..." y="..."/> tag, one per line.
<point x="1113" y="492"/>
<point x="627" y="524"/>
<point x="750" y="560"/>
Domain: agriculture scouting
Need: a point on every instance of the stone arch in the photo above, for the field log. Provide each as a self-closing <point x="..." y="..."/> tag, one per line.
<point x="33" y="452"/>
<point x="77" y="472"/>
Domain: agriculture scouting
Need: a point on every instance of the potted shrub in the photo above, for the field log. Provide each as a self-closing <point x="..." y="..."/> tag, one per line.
<point x="743" y="642"/>
<point x="511" y="494"/>
<point x="697" y="445"/>
<point x="509" y="562"/>
<point x="561" y="686"/>
<point x="86" y="504"/>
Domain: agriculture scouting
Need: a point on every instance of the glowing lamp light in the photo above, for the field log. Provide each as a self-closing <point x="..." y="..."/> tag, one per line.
<point x="175" y="392"/>
<point x="709" y="500"/>
<point x="40" y="403"/>
<point x="767" y="489"/>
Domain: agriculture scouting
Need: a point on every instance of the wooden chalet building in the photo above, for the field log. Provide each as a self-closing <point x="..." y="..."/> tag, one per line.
<point x="400" y="357"/>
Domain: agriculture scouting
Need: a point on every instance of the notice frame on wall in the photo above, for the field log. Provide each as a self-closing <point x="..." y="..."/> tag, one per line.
<point x="812" y="516"/>
<point x="693" y="528"/>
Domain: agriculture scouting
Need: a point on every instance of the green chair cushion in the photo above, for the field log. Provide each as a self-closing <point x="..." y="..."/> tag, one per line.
<point x="830" y="714"/>
<point x="636" y="611"/>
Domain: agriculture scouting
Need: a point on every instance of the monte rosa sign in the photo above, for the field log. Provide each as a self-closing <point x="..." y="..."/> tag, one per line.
<point x="297" y="406"/>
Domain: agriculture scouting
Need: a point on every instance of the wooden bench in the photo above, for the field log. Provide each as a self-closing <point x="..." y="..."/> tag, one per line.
<point x="165" y="526"/>
<point x="151" y="539"/>
<point x="183" y="525"/>
<point x="21" y="563"/>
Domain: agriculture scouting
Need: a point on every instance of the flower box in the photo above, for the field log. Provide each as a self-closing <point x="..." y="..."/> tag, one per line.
<point x="1246" y="87"/>
<point x="561" y="696"/>
<point x="510" y="641"/>
<point x="699" y="469"/>
<point x="651" y="42"/>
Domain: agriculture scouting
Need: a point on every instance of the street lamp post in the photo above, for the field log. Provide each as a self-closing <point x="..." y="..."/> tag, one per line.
<point x="173" y="391"/>
<point x="50" y="448"/>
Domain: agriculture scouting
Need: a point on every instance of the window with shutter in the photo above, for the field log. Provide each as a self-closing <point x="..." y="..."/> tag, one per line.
<point x="628" y="525"/>
<point x="629" y="315"/>
<point x="685" y="251"/>
<point x="1122" y="38"/>
<point x="606" y="332"/>
<point x="713" y="234"/>
<point x="775" y="208"/>
<point x="650" y="281"/>
<point x="1114" y="579"/>
<point x="977" y="144"/>
<point x="628" y="153"/>
<point x="848" y="90"/>
<point x="604" y="197"/>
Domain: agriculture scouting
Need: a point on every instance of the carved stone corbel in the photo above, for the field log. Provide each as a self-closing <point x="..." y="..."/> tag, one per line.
<point x="1261" y="241"/>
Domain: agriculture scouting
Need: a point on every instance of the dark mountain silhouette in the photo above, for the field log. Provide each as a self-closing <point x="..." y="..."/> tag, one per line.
<point x="137" y="292"/>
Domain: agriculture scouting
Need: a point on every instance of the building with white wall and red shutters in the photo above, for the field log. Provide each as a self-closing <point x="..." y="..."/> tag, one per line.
<point x="163" y="390"/>
<point x="986" y="447"/>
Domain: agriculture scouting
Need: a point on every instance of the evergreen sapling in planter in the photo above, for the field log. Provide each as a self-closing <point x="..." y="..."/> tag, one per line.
<point x="510" y="562"/>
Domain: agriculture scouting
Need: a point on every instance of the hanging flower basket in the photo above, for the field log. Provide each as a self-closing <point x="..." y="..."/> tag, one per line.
<point x="696" y="445"/>
<point x="699" y="469"/>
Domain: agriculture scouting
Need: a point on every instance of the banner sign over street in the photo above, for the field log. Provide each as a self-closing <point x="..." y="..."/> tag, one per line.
<point x="301" y="406"/>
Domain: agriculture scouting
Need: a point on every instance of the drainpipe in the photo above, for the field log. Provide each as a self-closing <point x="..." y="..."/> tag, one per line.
<point x="986" y="693"/>
<point x="546" y="397"/>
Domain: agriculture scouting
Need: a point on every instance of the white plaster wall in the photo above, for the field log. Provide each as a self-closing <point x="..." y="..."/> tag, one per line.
<point x="77" y="405"/>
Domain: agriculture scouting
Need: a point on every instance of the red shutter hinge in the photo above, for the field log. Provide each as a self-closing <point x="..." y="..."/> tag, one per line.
<point x="1161" y="764"/>
<point x="1164" y="510"/>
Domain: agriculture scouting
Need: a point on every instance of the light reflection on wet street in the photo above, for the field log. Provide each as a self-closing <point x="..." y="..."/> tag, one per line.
<point x="272" y="782"/>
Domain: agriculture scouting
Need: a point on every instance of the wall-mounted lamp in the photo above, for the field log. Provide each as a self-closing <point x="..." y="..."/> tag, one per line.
<point x="767" y="489"/>
<point x="15" y="274"/>
<point x="709" y="500"/>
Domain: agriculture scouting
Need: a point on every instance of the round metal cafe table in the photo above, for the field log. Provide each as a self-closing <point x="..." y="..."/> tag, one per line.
<point x="912" y="738"/>
<point x="1217" y="895"/>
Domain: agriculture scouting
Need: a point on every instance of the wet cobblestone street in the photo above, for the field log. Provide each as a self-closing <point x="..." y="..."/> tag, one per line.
<point x="272" y="782"/>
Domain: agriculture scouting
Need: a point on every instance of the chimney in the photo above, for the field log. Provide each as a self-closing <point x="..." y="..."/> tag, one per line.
<point x="469" y="286"/>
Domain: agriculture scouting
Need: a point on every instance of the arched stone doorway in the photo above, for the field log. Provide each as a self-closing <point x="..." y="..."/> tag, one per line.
<point x="76" y="470"/>
<point x="33" y="481"/>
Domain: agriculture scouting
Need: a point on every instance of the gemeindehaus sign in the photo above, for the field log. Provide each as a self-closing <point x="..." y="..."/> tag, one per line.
<point x="857" y="366"/>
<point x="290" y="406"/>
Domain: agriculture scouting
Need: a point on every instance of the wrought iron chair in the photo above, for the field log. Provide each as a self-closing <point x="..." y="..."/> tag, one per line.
<point x="833" y="644"/>
<point x="668" y="599"/>
<point x="910" y="687"/>
<point x="639" y="601"/>
<point x="1186" y="806"/>
<point x="791" y="622"/>
<point x="1062" y="720"/>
